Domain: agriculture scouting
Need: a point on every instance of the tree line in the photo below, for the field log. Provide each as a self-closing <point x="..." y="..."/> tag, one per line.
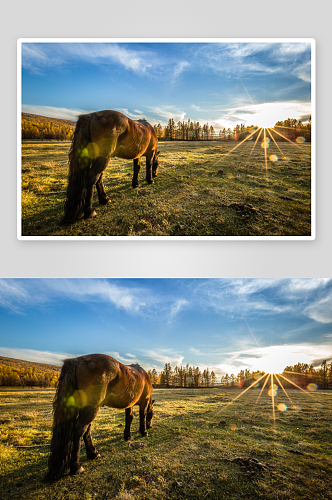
<point x="300" y="374"/>
<point x="27" y="377"/>
<point x="46" y="131"/>
<point x="303" y="374"/>
<point x="189" y="130"/>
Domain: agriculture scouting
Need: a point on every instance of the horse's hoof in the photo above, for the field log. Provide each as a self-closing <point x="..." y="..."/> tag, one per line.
<point x="78" y="471"/>
<point x="91" y="215"/>
<point x="104" y="202"/>
<point x="128" y="438"/>
<point x="94" y="456"/>
<point x="144" y="434"/>
<point x="135" y="186"/>
<point x="150" y="181"/>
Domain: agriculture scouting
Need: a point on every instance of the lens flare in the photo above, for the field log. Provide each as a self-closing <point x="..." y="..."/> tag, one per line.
<point x="273" y="391"/>
<point x="265" y="143"/>
<point x="312" y="387"/>
<point x="274" y="158"/>
<point x="282" y="407"/>
<point x="300" y="140"/>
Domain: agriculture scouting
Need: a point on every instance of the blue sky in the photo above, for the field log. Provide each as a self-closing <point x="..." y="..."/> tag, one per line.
<point x="224" y="324"/>
<point x="223" y="84"/>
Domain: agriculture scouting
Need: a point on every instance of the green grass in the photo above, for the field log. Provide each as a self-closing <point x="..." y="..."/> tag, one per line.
<point x="198" y="448"/>
<point x="198" y="192"/>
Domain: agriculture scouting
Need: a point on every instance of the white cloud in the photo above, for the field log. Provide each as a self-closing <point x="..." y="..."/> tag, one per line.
<point x="130" y="359"/>
<point x="164" y="356"/>
<point x="167" y="112"/>
<point x="52" y="358"/>
<point x="272" y="359"/>
<point x="17" y="294"/>
<point x="38" y="56"/>
<point x="303" y="72"/>
<point x="321" y="311"/>
<point x="264" y="114"/>
<point x="309" y="297"/>
<point x="176" y="308"/>
<point x="52" y="112"/>
<point x="137" y="115"/>
<point x="179" y="68"/>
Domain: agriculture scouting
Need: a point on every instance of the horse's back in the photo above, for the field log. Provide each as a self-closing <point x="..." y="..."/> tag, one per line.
<point x="117" y="135"/>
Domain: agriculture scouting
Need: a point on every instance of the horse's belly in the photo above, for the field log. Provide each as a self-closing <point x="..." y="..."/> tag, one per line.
<point x="131" y="152"/>
<point x="123" y="402"/>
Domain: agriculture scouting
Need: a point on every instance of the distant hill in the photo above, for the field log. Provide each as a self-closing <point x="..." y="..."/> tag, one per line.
<point x="46" y="119"/>
<point x="40" y="367"/>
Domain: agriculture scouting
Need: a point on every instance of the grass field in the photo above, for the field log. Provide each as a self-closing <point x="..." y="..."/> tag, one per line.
<point x="198" y="448"/>
<point x="199" y="192"/>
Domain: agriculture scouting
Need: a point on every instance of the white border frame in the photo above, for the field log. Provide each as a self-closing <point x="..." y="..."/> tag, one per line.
<point x="312" y="42"/>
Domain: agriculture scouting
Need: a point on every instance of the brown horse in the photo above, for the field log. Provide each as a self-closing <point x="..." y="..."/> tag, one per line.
<point x="97" y="138"/>
<point x="86" y="383"/>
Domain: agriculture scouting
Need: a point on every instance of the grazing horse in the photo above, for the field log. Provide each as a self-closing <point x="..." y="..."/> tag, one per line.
<point x="97" y="138"/>
<point x="86" y="383"/>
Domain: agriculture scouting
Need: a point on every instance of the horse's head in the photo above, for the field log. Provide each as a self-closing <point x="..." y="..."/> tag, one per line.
<point x="149" y="414"/>
<point x="155" y="164"/>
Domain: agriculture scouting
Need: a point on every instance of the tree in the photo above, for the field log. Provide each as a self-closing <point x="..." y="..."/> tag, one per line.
<point x="167" y="374"/>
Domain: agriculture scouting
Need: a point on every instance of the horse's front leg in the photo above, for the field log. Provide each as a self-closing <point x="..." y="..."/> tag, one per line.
<point x="129" y="419"/>
<point x="137" y="167"/>
<point x="91" y="451"/>
<point x="142" y="419"/>
<point x="149" y="158"/>
<point x="97" y="167"/>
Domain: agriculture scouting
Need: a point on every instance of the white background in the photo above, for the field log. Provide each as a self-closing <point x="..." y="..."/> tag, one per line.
<point x="177" y="19"/>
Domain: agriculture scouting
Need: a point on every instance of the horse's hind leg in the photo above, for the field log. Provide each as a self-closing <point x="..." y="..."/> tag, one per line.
<point x="102" y="197"/>
<point x="81" y="427"/>
<point x="142" y="419"/>
<point x="129" y="419"/>
<point x="137" y="167"/>
<point x="91" y="451"/>
<point x="149" y="158"/>
<point x="97" y="167"/>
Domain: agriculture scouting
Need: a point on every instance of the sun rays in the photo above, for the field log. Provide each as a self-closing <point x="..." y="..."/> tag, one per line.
<point x="268" y="134"/>
<point x="272" y="384"/>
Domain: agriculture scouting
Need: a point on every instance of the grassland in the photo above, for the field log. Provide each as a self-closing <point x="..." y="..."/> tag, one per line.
<point x="198" y="448"/>
<point x="199" y="192"/>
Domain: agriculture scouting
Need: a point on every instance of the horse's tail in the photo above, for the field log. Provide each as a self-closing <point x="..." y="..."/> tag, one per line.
<point x="65" y="411"/>
<point x="79" y="163"/>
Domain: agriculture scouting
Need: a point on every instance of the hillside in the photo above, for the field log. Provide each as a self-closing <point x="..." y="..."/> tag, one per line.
<point x="40" y="367"/>
<point x="45" y="119"/>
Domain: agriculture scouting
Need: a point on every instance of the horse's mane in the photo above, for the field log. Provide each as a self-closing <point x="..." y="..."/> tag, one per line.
<point x="143" y="120"/>
<point x="137" y="367"/>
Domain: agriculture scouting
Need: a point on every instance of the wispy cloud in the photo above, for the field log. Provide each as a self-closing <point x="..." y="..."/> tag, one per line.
<point x="256" y="58"/>
<point x="176" y="308"/>
<point x="136" y="115"/>
<point x="127" y="359"/>
<point x="53" y="112"/>
<point x="179" y="68"/>
<point x="167" y="112"/>
<point x="17" y="294"/>
<point x="52" y="358"/>
<point x="37" y="57"/>
<point x="310" y="298"/>
<point x="163" y="356"/>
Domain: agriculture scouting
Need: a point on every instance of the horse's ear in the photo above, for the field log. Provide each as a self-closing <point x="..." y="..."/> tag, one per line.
<point x="152" y="402"/>
<point x="158" y="153"/>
